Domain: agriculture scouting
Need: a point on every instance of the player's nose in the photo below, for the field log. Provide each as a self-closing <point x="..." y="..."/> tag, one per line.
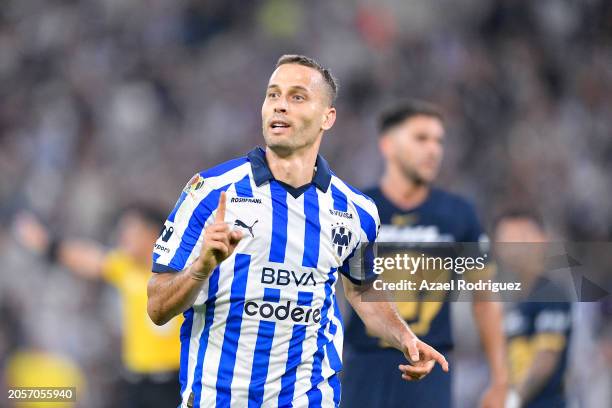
<point x="280" y="105"/>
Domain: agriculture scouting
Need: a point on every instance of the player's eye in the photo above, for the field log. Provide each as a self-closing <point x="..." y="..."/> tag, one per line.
<point x="272" y="94"/>
<point x="298" y="98"/>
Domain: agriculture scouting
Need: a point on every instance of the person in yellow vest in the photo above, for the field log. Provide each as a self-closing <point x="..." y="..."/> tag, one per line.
<point x="150" y="353"/>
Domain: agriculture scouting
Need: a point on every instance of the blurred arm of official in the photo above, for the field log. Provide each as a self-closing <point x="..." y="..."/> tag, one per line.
<point x="171" y="293"/>
<point x="83" y="257"/>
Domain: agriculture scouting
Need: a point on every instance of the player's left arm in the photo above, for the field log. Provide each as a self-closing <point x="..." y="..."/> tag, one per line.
<point x="382" y="319"/>
<point x="488" y="317"/>
<point x="542" y="368"/>
<point x="550" y="340"/>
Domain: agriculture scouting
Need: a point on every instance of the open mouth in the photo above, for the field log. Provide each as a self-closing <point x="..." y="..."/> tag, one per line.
<point x="279" y="124"/>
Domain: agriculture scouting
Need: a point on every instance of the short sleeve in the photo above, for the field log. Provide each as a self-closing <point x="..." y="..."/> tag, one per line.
<point x="472" y="228"/>
<point x="551" y="325"/>
<point x="181" y="236"/>
<point x="358" y="267"/>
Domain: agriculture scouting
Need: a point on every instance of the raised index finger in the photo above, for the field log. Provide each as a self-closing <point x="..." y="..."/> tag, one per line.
<point x="220" y="216"/>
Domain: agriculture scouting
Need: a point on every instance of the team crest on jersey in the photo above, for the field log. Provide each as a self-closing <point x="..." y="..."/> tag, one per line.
<point x="341" y="237"/>
<point x="194" y="184"/>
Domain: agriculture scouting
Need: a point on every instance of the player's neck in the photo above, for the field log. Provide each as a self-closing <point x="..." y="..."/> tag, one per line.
<point x="402" y="192"/>
<point x="529" y="277"/>
<point x="296" y="169"/>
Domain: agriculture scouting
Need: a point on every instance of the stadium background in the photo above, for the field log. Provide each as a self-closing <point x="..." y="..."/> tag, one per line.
<point x="111" y="101"/>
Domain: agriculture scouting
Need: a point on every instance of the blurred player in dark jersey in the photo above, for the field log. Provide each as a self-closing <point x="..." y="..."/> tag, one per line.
<point x="539" y="326"/>
<point x="413" y="211"/>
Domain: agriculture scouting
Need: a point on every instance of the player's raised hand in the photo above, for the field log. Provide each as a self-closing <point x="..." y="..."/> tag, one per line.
<point x="31" y="233"/>
<point x="219" y="242"/>
<point x="422" y="357"/>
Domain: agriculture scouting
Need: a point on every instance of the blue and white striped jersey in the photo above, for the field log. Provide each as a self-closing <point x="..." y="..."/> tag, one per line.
<point x="266" y="329"/>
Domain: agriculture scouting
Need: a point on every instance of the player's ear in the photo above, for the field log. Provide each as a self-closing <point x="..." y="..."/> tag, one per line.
<point x="329" y="118"/>
<point x="385" y="145"/>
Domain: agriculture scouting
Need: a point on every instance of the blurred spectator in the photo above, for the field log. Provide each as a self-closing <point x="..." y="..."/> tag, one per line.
<point x="150" y="354"/>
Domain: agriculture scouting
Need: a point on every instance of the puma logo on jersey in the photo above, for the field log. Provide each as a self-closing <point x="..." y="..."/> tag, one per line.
<point x="241" y="224"/>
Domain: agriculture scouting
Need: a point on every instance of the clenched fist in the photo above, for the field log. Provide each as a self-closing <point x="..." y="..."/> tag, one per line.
<point x="219" y="243"/>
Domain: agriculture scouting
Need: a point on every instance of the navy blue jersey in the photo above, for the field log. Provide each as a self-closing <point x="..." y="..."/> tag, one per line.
<point x="443" y="217"/>
<point x="534" y="326"/>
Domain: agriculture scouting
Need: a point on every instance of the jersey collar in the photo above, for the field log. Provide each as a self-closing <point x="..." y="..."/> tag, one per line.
<point x="262" y="173"/>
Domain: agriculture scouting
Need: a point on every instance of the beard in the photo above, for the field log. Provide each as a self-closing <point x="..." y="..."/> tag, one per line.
<point x="412" y="174"/>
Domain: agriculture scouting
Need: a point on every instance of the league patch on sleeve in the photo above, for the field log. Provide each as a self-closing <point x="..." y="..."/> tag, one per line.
<point x="194" y="184"/>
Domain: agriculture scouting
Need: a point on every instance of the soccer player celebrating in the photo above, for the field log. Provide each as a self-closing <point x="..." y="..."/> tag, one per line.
<point x="252" y="256"/>
<point x="413" y="211"/>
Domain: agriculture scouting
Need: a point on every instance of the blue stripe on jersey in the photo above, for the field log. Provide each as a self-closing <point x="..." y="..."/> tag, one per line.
<point x="337" y="313"/>
<point x="368" y="225"/>
<point x="312" y="232"/>
<point x="294" y="358"/>
<point x="354" y="190"/>
<point x="271" y="295"/>
<point x="194" y="228"/>
<point x="232" y="330"/>
<point x="223" y="167"/>
<point x="243" y="187"/>
<point x="304" y="298"/>
<point x="345" y="268"/>
<point x="155" y="257"/>
<point x="334" y="358"/>
<point x="332" y="327"/>
<point x="215" y="171"/>
<point x="185" y="337"/>
<point x="340" y="201"/>
<point x="213" y="287"/>
<point x="261" y="356"/>
<point x="159" y="268"/>
<point x="335" y="384"/>
<point x="314" y="394"/>
<point x="177" y="206"/>
<point x="278" y="244"/>
<point x="261" y="359"/>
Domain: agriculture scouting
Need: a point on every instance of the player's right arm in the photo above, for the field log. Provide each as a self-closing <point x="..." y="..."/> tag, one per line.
<point x="170" y="294"/>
